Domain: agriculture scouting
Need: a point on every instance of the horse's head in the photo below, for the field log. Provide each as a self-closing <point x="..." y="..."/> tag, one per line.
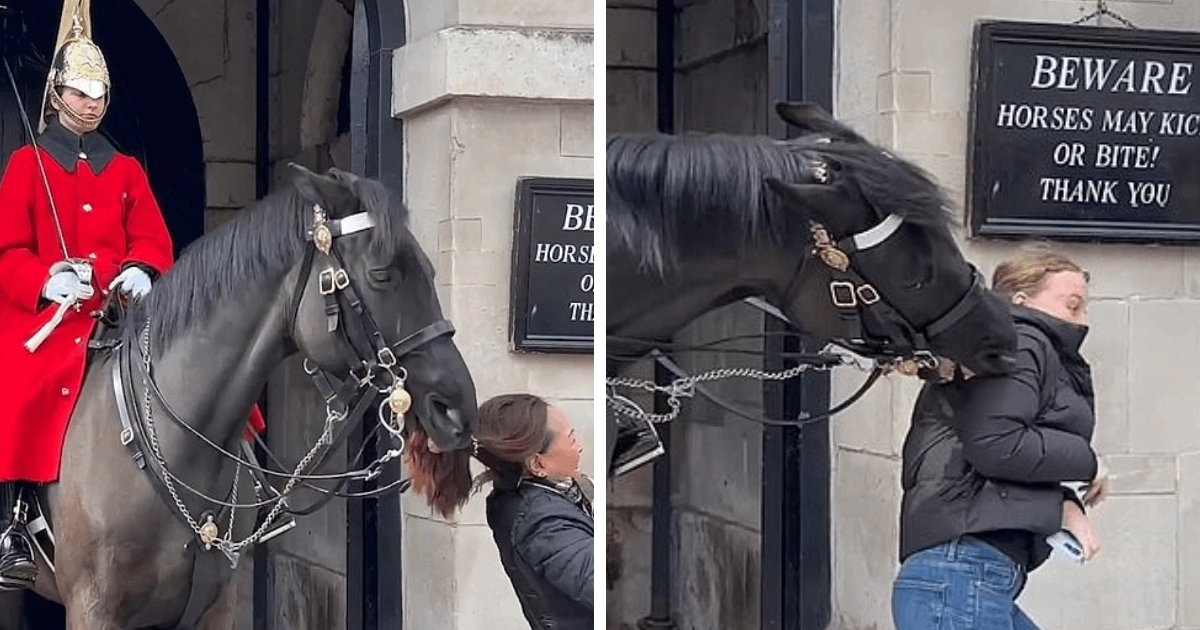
<point x="368" y="309"/>
<point x="905" y="282"/>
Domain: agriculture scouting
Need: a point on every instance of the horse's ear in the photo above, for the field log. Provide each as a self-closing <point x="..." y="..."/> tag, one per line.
<point x="316" y="188"/>
<point x="816" y="200"/>
<point x="813" y="119"/>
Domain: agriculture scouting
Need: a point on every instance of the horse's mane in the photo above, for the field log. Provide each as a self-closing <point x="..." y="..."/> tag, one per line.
<point x="262" y="241"/>
<point x="664" y="191"/>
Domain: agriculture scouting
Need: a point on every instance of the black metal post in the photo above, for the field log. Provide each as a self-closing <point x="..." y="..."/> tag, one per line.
<point x="796" y="555"/>
<point x="262" y="183"/>
<point x="374" y="579"/>
<point x="662" y="528"/>
<point x="662" y="516"/>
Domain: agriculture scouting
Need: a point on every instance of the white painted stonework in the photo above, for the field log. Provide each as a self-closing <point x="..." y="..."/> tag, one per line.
<point x="488" y="92"/>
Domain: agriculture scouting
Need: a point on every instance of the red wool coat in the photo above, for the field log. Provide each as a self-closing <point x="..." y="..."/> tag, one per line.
<point x="109" y="217"/>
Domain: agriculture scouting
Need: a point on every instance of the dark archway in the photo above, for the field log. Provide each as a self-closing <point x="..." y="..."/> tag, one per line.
<point x="152" y="116"/>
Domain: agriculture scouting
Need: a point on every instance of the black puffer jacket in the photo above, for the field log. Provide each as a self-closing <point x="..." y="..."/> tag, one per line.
<point x="546" y="547"/>
<point x="988" y="454"/>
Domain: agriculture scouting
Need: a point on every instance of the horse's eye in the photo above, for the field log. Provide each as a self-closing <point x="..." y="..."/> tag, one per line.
<point x="381" y="275"/>
<point x="915" y="286"/>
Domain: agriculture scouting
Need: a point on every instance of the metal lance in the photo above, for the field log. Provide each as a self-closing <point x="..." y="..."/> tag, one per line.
<point x="82" y="267"/>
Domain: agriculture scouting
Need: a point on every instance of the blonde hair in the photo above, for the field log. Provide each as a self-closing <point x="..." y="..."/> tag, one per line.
<point x="1027" y="272"/>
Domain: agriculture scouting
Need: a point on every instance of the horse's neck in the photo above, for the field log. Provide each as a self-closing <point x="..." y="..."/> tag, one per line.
<point x="213" y="373"/>
<point x="647" y="307"/>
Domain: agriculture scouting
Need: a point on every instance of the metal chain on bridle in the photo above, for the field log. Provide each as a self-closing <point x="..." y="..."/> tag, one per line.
<point x="685" y="386"/>
<point x="378" y="376"/>
<point x="208" y="531"/>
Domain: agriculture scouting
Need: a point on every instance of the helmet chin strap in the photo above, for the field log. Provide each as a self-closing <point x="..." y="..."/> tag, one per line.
<point x="83" y="122"/>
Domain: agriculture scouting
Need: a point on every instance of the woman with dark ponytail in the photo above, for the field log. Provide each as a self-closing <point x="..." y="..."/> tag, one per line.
<point x="541" y="519"/>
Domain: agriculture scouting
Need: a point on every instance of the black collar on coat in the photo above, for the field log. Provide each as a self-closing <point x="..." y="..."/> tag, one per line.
<point x="1067" y="339"/>
<point x="1066" y="336"/>
<point x="67" y="148"/>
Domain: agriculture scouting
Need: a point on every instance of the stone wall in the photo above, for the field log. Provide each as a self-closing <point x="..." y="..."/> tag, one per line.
<point x="215" y="45"/>
<point x="903" y="79"/>
<point x="489" y="91"/>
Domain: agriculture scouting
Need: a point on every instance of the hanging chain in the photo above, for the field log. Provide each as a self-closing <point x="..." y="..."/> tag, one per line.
<point x="1102" y="10"/>
<point x="685" y="387"/>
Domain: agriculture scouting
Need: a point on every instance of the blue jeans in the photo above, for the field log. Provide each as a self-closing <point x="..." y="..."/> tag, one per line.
<point x="962" y="584"/>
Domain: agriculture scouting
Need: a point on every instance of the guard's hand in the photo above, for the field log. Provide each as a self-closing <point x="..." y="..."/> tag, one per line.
<point x="132" y="282"/>
<point x="64" y="286"/>
<point x="1076" y="522"/>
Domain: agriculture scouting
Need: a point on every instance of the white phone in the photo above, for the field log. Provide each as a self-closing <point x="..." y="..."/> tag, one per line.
<point x="1065" y="542"/>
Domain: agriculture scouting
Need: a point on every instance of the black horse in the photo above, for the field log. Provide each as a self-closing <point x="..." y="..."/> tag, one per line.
<point x="327" y="268"/>
<point x="851" y="243"/>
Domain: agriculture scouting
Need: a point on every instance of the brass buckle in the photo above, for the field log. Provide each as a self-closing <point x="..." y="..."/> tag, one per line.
<point x="843" y="294"/>
<point x="867" y="294"/>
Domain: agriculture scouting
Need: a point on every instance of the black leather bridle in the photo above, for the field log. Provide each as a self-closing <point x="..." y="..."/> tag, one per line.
<point x="371" y="360"/>
<point x="875" y="328"/>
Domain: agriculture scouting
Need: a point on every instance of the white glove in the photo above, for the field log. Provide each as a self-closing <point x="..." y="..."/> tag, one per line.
<point x="63" y="286"/>
<point x="132" y="282"/>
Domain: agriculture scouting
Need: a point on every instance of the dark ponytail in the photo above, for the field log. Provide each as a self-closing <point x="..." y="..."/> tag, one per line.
<point x="512" y="428"/>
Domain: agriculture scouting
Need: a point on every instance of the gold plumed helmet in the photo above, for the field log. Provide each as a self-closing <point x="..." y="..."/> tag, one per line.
<point x="78" y="63"/>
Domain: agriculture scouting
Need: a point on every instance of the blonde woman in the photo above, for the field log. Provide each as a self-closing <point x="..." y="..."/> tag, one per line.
<point x="986" y="460"/>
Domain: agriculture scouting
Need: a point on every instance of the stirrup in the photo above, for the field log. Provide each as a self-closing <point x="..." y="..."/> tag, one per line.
<point x="280" y="528"/>
<point x="11" y="585"/>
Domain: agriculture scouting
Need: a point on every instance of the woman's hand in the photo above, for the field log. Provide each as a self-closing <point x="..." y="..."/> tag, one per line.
<point x="1076" y="522"/>
<point x="1098" y="489"/>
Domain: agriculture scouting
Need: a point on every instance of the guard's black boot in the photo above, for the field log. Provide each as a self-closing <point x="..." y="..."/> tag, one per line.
<point x="17" y="570"/>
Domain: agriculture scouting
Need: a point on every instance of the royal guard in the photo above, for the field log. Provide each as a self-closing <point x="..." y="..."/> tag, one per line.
<point x="77" y="221"/>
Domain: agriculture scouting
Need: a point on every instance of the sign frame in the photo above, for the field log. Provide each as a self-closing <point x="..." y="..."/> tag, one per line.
<point x="522" y="338"/>
<point x="984" y="98"/>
